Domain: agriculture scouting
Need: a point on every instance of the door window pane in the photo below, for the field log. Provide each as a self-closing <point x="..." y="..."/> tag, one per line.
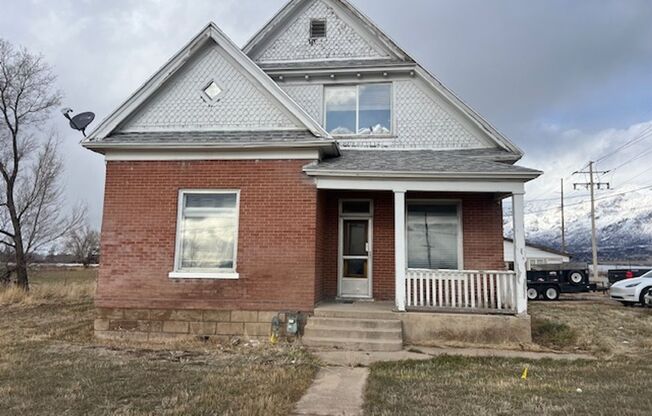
<point x="375" y="115"/>
<point x="433" y="236"/>
<point x="355" y="238"/>
<point x="355" y="268"/>
<point x="207" y="229"/>
<point x="341" y="104"/>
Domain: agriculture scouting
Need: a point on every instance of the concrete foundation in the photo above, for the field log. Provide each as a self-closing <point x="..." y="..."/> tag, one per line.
<point x="433" y="328"/>
<point x="162" y="325"/>
<point x="429" y="329"/>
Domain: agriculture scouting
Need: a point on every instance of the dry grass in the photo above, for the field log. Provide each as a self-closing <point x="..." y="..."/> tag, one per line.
<point x="602" y="327"/>
<point x="493" y="386"/>
<point x="619" y="383"/>
<point x="50" y="364"/>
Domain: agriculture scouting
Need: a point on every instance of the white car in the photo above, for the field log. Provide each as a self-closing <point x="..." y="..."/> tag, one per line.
<point x="632" y="291"/>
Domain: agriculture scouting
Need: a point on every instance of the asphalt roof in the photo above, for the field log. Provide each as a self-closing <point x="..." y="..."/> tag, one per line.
<point x="211" y="137"/>
<point x="415" y="161"/>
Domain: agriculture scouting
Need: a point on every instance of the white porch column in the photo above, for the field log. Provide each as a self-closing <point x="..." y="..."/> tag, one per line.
<point x="399" y="248"/>
<point x="518" y="218"/>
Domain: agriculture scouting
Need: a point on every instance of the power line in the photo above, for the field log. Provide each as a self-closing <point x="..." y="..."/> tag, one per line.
<point x="597" y="199"/>
<point x="631" y="160"/>
<point x="570" y="175"/>
<point x="636" y="176"/>
<point x="647" y="132"/>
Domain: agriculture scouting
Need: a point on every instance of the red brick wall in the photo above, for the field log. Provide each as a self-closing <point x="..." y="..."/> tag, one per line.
<point x="482" y="229"/>
<point x="276" y="245"/>
<point x="383" y="241"/>
<point x="483" y="233"/>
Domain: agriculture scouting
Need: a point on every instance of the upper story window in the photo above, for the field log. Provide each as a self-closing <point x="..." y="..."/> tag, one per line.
<point x="317" y="28"/>
<point x="359" y="109"/>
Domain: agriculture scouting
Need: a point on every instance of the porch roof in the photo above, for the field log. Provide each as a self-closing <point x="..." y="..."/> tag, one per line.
<point x="420" y="164"/>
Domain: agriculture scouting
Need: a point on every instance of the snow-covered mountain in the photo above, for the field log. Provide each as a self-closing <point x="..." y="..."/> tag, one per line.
<point x="624" y="223"/>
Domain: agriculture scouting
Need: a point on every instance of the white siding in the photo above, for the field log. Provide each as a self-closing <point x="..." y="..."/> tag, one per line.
<point x="342" y="40"/>
<point x="421" y="119"/>
<point x="309" y="97"/>
<point x="179" y="105"/>
<point x="534" y="255"/>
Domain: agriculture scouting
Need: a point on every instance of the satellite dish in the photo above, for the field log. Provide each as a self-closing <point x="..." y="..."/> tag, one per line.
<point x="80" y="121"/>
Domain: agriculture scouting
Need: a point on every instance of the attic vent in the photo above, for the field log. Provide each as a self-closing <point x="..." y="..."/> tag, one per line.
<point x="317" y="28"/>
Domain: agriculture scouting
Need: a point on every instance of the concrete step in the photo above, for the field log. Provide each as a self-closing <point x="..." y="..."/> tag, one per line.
<point x="351" y="323"/>
<point x="354" y="314"/>
<point x="353" y="345"/>
<point x="353" y="334"/>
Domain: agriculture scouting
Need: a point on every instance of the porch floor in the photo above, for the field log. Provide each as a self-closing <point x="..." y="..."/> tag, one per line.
<point x="355" y="306"/>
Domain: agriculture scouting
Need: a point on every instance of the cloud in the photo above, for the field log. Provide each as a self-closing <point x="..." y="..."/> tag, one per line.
<point x="562" y="79"/>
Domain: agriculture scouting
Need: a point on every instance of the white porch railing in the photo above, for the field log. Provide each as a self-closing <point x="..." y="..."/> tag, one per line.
<point x="461" y="290"/>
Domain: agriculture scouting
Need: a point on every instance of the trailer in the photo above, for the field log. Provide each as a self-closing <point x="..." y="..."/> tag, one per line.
<point x="550" y="281"/>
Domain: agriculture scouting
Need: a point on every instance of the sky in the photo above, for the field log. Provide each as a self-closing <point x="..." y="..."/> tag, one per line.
<point x="567" y="81"/>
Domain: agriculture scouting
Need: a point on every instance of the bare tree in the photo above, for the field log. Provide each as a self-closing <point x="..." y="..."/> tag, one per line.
<point x="31" y="214"/>
<point x="84" y="244"/>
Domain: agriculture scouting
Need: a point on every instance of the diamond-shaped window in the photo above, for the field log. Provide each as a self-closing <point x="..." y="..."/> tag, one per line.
<point x="212" y="91"/>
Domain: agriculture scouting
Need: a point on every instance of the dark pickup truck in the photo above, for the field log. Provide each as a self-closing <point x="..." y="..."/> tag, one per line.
<point x="617" y="275"/>
<point x="549" y="281"/>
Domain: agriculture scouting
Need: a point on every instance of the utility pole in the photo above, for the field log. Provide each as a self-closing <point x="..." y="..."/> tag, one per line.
<point x="563" y="219"/>
<point x="591" y="185"/>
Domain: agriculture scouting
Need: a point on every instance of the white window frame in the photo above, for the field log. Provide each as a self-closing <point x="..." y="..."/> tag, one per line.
<point x="226" y="274"/>
<point x="357" y="108"/>
<point x="460" y="226"/>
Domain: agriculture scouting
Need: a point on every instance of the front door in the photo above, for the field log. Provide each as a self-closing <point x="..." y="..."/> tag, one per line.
<point x="355" y="258"/>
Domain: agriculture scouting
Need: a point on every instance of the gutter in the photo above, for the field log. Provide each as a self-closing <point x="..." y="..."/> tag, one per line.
<point x="330" y="146"/>
<point x="523" y="176"/>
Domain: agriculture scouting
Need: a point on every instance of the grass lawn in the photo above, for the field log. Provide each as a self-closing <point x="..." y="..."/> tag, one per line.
<point x="50" y="364"/>
<point x="619" y="382"/>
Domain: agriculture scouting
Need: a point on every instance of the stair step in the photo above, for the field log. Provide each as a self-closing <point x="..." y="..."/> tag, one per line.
<point x="351" y="323"/>
<point x="353" y="345"/>
<point x="353" y="334"/>
<point x="354" y="314"/>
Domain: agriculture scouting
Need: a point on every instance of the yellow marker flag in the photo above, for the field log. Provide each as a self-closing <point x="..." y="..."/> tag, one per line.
<point x="524" y="376"/>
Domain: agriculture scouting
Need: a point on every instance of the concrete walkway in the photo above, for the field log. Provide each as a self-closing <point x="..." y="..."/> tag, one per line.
<point x="339" y="387"/>
<point x="337" y="391"/>
<point x="364" y="359"/>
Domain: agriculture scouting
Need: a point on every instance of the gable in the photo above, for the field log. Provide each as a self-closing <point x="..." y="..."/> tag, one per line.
<point x="180" y="103"/>
<point x="176" y="98"/>
<point x="287" y="37"/>
<point x="422" y="118"/>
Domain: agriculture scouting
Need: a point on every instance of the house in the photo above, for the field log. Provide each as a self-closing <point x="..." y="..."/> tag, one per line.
<point x="535" y="254"/>
<point x="320" y="163"/>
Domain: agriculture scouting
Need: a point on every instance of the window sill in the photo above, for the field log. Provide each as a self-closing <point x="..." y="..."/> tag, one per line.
<point x="198" y="275"/>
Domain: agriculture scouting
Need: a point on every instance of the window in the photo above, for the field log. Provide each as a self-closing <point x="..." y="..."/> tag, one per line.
<point x="359" y="109"/>
<point x="212" y="91"/>
<point x="354" y="207"/>
<point x="207" y="231"/>
<point x="434" y="236"/>
<point x="317" y="28"/>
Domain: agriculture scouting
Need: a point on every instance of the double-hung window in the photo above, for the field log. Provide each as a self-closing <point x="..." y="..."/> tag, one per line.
<point x="207" y="232"/>
<point x="364" y="109"/>
<point x="434" y="235"/>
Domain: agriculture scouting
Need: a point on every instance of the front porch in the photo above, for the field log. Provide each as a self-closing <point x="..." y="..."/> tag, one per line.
<point x="373" y="250"/>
